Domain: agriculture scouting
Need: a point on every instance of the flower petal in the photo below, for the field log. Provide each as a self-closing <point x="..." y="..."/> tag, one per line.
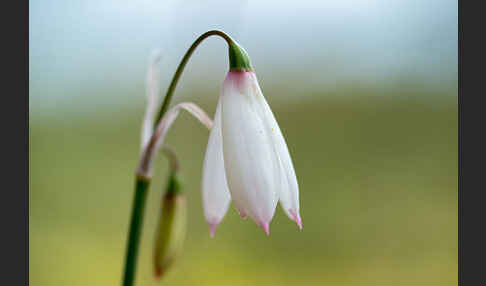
<point x="251" y="164"/>
<point x="289" y="190"/>
<point x="215" y="193"/>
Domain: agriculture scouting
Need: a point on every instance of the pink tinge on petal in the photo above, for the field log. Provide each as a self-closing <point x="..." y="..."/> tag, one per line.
<point x="298" y="220"/>
<point x="296" y="217"/>
<point x="241" y="80"/>
<point x="212" y="228"/>
<point x="265" y="227"/>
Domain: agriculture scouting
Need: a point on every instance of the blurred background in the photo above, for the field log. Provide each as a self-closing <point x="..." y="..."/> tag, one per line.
<point x="365" y="93"/>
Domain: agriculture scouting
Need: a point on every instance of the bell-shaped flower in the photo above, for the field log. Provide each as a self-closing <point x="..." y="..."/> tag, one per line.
<point x="247" y="160"/>
<point x="215" y="193"/>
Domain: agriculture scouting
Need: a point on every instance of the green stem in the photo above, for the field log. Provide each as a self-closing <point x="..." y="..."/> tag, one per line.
<point x="141" y="189"/>
<point x="238" y="60"/>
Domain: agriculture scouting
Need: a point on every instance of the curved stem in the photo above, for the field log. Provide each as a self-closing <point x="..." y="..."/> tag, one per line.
<point x="182" y="65"/>
<point x="238" y="59"/>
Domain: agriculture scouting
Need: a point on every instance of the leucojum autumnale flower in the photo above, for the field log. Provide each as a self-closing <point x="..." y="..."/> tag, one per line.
<point x="247" y="161"/>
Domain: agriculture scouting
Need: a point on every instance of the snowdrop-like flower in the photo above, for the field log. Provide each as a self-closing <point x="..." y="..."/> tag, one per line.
<point x="215" y="193"/>
<point x="247" y="160"/>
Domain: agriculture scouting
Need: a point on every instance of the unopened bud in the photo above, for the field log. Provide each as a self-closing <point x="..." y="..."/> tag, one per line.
<point x="171" y="231"/>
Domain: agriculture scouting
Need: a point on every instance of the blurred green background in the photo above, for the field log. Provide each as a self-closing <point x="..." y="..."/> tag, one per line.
<point x="374" y="144"/>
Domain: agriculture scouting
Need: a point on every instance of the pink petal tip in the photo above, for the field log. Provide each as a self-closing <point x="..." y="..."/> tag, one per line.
<point x="265" y="227"/>
<point x="296" y="217"/>
<point x="298" y="220"/>
<point x="212" y="229"/>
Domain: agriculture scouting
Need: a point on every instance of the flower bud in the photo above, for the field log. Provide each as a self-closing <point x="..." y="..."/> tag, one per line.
<point x="172" y="227"/>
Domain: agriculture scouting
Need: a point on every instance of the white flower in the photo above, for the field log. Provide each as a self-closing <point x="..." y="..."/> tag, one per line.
<point x="247" y="159"/>
<point x="215" y="195"/>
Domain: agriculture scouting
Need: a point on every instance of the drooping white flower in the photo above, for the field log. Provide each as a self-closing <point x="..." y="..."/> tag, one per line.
<point x="255" y="158"/>
<point x="215" y="193"/>
<point x="247" y="159"/>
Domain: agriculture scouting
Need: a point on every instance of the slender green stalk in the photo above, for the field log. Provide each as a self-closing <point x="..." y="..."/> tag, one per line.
<point x="141" y="190"/>
<point x="238" y="60"/>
